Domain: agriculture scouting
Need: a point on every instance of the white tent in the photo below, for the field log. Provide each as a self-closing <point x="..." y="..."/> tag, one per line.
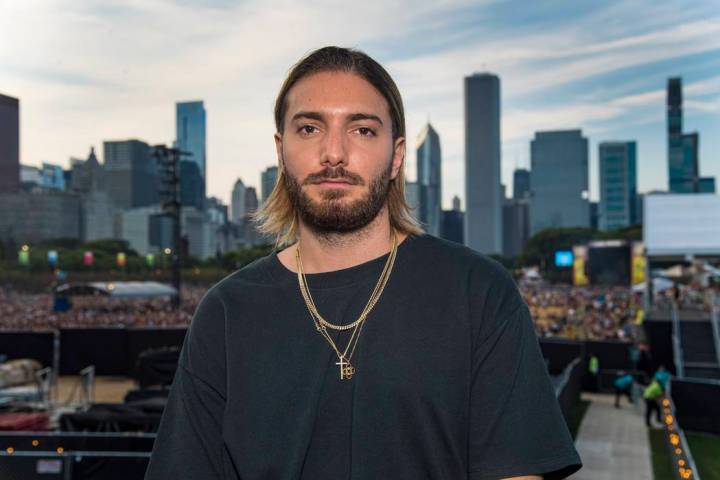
<point x="659" y="284"/>
<point x="119" y="289"/>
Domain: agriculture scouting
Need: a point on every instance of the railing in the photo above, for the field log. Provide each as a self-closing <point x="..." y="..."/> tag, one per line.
<point x="677" y="346"/>
<point x="30" y="465"/>
<point x="681" y="457"/>
<point x="567" y="371"/>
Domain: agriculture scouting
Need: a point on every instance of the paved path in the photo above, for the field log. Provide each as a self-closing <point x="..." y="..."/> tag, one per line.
<point x="613" y="443"/>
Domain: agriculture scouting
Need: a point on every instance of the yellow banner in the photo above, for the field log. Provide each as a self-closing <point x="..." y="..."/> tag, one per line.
<point x="638" y="263"/>
<point x="579" y="259"/>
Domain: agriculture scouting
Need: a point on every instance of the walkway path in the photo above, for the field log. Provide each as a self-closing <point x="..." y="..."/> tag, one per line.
<point x="613" y="443"/>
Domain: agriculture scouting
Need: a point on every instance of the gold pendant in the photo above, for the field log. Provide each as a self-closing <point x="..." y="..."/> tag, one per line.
<point x="346" y="369"/>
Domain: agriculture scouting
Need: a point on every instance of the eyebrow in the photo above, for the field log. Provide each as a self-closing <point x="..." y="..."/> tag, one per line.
<point x="353" y="117"/>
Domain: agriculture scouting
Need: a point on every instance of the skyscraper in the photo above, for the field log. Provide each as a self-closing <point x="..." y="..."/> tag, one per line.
<point x="707" y="185"/>
<point x="251" y="200"/>
<point x="429" y="176"/>
<point x="483" y="197"/>
<point x="87" y="175"/>
<point x="679" y="173"/>
<point x="53" y="176"/>
<point x="191" y="135"/>
<point x="452" y="222"/>
<point x="521" y="183"/>
<point x="683" y="148"/>
<point x="268" y="179"/>
<point x="515" y="225"/>
<point x="131" y="173"/>
<point x="559" y="180"/>
<point x="9" y="144"/>
<point x="618" y="185"/>
<point x="238" y="202"/>
<point x="456" y="203"/>
<point x="412" y="197"/>
<point x="690" y="167"/>
<point x="452" y="225"/>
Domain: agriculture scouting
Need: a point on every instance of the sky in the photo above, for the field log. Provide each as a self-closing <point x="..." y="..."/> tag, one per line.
<point x="90" y="71"/>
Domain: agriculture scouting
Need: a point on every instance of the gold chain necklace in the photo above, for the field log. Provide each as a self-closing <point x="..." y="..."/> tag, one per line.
<point x="321" y="325"/>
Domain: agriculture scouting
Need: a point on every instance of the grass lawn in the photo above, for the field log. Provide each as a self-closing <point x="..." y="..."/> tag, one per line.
<point x="661" y="461"/>
<point x="705" y="449"/>
<point x="576" y="417"/>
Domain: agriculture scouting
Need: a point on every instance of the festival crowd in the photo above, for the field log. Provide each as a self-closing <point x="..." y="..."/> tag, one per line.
<point x="23" y="311"/>
<point x="590" y="312"/>
<point x="593" y="313"/>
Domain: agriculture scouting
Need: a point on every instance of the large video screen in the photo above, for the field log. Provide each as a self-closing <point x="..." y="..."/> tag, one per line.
<point x="563" y="258"/>
<point x="609" y="264"/>
<point x="682" y="224"/>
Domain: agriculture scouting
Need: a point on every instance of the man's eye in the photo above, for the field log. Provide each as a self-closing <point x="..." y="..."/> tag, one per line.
<point x="307" y="129"/>
<point x="366" y="132"/>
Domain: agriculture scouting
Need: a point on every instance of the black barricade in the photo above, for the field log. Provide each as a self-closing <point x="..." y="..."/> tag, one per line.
<point x="143" y="339"/>
<point x="110" y="467"/>
<point x="76" y="441"/>
<point x="73" y="466"/>
<point x="697" y="404"/>
<point x="560" y="352"/>
<point x="113" y="351"/>
<point x="569" y="394"/>
<point x="659" y="336"/>
<point x="612" y="355"/>
<point x="156" y="367"/>
<point x="113" y="418"/>
<point x="106" y="348"/>
<point x="32" y="466"/>
<point x="35" y="345"/>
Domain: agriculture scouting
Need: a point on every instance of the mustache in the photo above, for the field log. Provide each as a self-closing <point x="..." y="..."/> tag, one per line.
<point x="334" y="173"/>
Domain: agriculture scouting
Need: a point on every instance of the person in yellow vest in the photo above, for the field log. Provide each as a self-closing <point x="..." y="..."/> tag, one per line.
<point x="594" y="370"/>
<point x="652" y="394"/>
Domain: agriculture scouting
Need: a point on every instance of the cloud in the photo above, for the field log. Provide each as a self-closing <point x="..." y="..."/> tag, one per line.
<point x="95" y="70"/>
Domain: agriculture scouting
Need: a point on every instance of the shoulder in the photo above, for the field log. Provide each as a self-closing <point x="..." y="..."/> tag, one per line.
<point x="212" y="309"/>
<point x="257" y="273"/>
<point x="470" y="281"/>
<point x="453" y="259"/>
<point x="204" y="347"/>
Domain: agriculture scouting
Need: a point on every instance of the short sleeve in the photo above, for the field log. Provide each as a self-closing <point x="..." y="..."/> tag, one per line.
<point x="189" y="444"/>
<point x="516" y="426"/>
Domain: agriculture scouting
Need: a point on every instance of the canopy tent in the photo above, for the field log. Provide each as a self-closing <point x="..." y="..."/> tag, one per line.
<point x="117" y="289"/>
<point x="676" y="271"/>
<point x="659" y="284"/>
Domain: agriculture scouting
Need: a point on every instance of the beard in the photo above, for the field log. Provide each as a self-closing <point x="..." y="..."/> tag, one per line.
<point x="331" y="215"/>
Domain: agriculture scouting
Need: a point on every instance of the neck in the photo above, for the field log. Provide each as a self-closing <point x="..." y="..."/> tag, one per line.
<point x="326" y="252"/>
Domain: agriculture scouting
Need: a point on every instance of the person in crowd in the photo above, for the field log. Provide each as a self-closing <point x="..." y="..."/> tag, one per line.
<point x="652" y="395"/>
<point x="623" y="386"/>
<point x="662" y="376"/>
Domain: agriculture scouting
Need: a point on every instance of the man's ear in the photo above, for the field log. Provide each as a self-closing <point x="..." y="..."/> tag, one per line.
<point x="279" y="150"/>
<point x="398" y="156"/>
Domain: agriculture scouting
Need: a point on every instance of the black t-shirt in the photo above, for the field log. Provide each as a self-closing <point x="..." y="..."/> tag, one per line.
<point x="449" y="382"/>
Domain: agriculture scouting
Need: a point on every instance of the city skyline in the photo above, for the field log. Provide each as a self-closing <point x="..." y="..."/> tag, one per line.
<point x="596" y="71"/>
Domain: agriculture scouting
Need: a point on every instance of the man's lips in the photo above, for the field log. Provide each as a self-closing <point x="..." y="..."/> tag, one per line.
<point x="334" y="183"/>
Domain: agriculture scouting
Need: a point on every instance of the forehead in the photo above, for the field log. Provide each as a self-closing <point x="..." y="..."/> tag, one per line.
<point x="336" y="92"/>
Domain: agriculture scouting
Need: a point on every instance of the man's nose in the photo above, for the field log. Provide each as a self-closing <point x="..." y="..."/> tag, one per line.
<point x="335" y="148"/>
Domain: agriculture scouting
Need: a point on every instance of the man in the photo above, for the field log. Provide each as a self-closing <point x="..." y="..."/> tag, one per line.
<point x="364" y="349"/>
<point x="662" y="376"/>
<point x="652" y="395"/>
<point x="623" y="386"/>
<point x="594" y="369"/>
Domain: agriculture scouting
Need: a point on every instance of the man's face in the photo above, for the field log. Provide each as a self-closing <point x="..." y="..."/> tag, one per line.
<point x="337" y="151"/>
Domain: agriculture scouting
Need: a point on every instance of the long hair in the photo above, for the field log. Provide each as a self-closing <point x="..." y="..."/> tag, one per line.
<point x="277" y="218"/>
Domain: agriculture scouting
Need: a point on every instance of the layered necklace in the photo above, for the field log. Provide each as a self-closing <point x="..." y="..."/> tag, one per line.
<point x="321" y="325"/>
